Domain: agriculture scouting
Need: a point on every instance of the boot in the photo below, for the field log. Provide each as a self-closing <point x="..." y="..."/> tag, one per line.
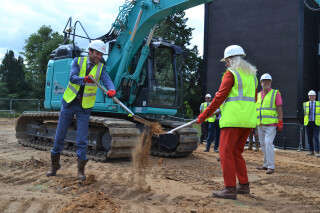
<point x="229" y="192"/>
<point x="250" y="145"/>
<point x="243" y="188"/>
<point x="257" y="146"/>
<point x="81" y="166"/>
<point x="55" y="165"/>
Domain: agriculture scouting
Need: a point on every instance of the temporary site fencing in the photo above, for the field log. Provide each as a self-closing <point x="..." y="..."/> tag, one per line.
<point x="291" y="137"/>
<point x="12" y="108"/>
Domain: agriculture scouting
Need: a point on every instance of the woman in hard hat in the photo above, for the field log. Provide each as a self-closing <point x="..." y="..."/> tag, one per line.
<point x="237" y="97"/>
<point x="311" y="110"/>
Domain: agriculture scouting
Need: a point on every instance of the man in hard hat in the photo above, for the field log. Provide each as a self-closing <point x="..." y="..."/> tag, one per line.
<point x="269" y="114"/>
<point x="78" y="99"/>
<point x="311" y="110"/>
<point x="213" y="132"/>
<point x="205" y="125"/>
<point x="237" y="97"/>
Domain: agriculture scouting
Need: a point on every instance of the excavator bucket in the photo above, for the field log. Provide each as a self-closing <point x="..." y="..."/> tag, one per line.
<point x="167" y="140"/>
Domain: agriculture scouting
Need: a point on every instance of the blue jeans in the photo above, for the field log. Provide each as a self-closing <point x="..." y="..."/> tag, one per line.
<point x="65" y="119"/>
<point x="213" y="133"/>
<point x="313" y="136"/>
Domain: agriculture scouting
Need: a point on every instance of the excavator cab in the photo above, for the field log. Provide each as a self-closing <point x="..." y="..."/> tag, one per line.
<point x="160" y="79"/>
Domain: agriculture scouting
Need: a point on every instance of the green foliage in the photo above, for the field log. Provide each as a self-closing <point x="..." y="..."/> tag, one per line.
<point x="4" y="90"/>
<point x="188" y="109"/>
<point x="38" y="48"/>
<point x="174" y="28"/>
<point x="12" y="77"/>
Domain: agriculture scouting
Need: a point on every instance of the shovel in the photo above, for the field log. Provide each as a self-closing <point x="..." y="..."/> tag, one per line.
<point x="137" y="118"/>
<point x="170" y="140"/>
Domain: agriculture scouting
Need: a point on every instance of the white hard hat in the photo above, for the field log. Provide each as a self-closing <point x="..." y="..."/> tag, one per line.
<point x="311" y="92"/>
<point x="266" y="76"/>
<point x="98" y="45"/>
<point x="208" y="96"/>
<point x="233" y="50"/>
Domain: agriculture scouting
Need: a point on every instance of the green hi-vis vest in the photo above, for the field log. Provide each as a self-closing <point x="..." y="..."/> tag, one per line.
<point x="239" y="108"/>
<point x="213" y="117"/>
<point x="266" y="109"/>
<point x="90" y="89"/>
<point x="306" y="109"/>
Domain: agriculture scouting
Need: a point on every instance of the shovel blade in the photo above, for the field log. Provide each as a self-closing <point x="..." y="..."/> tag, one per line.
<point x="167" y="140"/>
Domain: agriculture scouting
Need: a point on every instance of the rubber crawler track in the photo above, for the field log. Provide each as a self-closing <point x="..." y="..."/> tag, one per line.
<point x="124" y="134"/>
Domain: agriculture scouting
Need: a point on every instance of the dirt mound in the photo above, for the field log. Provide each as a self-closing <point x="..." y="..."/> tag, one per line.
<point x="68" y="185"/>
<point x="94" y="202"/>
<point x="28" y="164"/>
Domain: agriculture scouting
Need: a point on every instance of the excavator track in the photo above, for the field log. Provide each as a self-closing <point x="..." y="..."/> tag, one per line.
<point x="108" y="138"/>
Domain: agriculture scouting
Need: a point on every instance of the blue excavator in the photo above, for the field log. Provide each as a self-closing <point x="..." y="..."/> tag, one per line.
<point x="145" y="71"/>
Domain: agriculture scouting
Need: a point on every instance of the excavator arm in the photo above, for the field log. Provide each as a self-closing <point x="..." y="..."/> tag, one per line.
<point x="138" y="19"/>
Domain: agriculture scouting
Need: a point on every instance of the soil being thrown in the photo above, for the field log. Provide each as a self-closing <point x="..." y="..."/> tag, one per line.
<point x="141" y="155"/>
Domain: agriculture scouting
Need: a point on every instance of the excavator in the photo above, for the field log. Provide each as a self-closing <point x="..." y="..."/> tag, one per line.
<point x="146" y="74"/>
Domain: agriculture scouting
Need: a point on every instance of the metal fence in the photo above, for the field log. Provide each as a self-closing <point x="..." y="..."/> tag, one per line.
<point x="21" y="105"/>
<point x="291" y="137"/>
<point x="7" y="114"/>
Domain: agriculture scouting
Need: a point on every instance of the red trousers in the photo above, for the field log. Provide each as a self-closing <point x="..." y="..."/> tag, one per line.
<point x="232" y="142"/>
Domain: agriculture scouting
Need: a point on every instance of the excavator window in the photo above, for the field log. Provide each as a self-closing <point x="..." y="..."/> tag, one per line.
<point x="163" y="88"/>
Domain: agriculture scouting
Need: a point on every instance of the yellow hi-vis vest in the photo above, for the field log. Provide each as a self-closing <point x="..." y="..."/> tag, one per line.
<point x="90" y="89"/>
<point x="306" y="109"/>
<point x="266" y="109"/>
<point x="213" y="117"/>
<point x="239" y="108"/>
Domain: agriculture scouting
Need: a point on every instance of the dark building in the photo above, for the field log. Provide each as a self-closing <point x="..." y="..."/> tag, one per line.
<point x="279" y="37"/>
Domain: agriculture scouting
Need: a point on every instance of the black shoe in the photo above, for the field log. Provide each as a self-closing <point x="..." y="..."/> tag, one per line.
<point x="206" y="150"/>
<point x="218" y="159"/>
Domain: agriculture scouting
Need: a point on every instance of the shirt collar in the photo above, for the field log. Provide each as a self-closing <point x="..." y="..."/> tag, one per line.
<point x="88" y="61"/>
<point x="267" y="92"/>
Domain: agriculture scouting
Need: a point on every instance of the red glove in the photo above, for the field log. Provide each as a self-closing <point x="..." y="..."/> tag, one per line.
<point x="280" y="126"/>
<point x="201" y="118"/>
<point x="87" y="79"/>
<point x="111" y="93"/>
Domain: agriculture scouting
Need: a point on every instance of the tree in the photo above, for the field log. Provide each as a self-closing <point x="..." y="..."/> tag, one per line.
<point x="174" y="28"/>
<point x="38" y="48"/>
<point x="12" y="75"/>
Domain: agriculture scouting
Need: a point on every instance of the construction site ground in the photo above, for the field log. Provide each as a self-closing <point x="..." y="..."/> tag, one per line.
<point x="170" y="185"/>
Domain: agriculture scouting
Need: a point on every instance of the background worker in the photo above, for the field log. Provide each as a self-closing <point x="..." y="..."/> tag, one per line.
<point x="312" y="122"/>
<point x="254" y="133"/>
<point x="78" y="99"/>
<point x="205" y="125"/>
<point x="238" y="93"/>
<point x="213" y="132"/>
<point x="269" y="114"/>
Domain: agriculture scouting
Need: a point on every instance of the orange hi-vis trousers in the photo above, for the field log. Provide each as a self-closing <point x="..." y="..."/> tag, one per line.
<point x="232" y="142"/>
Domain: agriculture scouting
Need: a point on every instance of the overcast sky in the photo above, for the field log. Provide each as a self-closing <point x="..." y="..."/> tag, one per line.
<point x="19" y="19"/>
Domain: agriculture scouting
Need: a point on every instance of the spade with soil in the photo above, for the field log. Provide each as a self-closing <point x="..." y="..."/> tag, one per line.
<point x="169" y="138"/>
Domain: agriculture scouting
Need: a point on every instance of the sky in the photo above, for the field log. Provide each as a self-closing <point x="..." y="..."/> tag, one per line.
<point x="19" y="19"/>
